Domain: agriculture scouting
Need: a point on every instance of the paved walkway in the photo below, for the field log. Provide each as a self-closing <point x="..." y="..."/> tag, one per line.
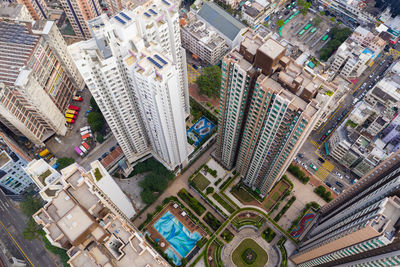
<point x="179" y="182"/>
<point x="273" y="257"/>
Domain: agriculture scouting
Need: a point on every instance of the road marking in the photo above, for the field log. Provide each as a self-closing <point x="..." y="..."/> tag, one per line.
<point x="328" y="165"/>
<point x="314" y="143"/>
<point x="341" y="104"/>
<point x="16" y="243"/>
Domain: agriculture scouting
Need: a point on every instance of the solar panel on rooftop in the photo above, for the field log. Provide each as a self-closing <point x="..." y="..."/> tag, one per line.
<point x="120" y="20"/>
<point x="165" y="2"/>
<point x="147" y="14"/>
<point x="154" y="62"/>
<point x="152" y="11"/>
<point x="160" y="59"/>
<point x="125" y="16"/>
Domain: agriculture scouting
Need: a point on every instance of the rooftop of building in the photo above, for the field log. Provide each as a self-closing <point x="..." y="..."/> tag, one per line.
<point x="17" y="44"/>
<point x="207" y="36"/>
<point x="220" y="20"/>
<point x="10" y="10"/>
<point x="387" y="221"/>
<point x="251" y="11"/>
<point x="272" y="48"/>
<point x="77" y="219"/>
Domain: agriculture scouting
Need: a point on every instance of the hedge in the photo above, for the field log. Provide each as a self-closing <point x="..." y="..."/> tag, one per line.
<point x="285" y="208"/>
<point x="192" y="202"/>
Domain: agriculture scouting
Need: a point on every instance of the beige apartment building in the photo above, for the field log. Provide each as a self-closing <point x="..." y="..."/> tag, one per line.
<point x="37" y="8"/>
<point x="84" y="220"/>
<point x="79" y="12"/>
<point x="35" y="84"/>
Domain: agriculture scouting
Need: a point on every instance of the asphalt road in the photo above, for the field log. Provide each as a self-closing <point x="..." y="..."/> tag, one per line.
<point x="12" y="223"/>
<point x="315" y="148"/>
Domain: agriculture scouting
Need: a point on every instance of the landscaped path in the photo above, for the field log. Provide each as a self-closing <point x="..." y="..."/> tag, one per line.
<point x="273" y="256"/>
<point x="181" y="181"/>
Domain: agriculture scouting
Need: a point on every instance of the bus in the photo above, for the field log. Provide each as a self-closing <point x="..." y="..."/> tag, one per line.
<point x="297" y="12"/>
<point x="307" y="27"/>
<point x="325" y="37"/>
<point x="302" y="31"/>
<point x="73" y="107"/>
<point x="70" y="116"/>
<point x="313" y="30"/>
<point x="326" y="149"/>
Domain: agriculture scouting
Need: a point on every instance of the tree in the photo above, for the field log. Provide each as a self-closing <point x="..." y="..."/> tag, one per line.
<point x="209" y="190"/>
<point x="100" y="138"/>
<point x="95" y="121"/>
<point x="210" y="81"/>
<point x="280" y="23"/>
<point x="30" y="205"/>
<point x="64" y="162"/>
<point x="305" y="6"/>
<point x="32" y="230"/>
<point x="316" y="21"/>
<point x="332" y="19"/>
<point x="94" y="105"/>
<point x="147" y="196"/>
<point x="322" y="13"/>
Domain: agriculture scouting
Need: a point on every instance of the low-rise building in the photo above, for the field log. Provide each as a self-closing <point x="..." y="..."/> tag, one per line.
<point x="222" y="22"/>
<point x="13" y="179"/>
<point x="82" y="219"/>
<point x="351" y="10"/>
<point x="201" y="41"/>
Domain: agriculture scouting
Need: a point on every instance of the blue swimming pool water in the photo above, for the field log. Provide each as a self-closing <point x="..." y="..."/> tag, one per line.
<point x="176" y="234"/>
<point x="202" y="128"/>
<point x="172" y="255"/>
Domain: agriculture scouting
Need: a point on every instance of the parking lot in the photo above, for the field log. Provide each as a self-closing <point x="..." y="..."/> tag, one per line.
<point x="64" y="146"/>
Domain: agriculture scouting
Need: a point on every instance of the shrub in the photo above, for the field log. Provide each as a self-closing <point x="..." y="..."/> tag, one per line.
<point x="64" y="162"/>
<point x="284" y="209"/>
<point x="193" y="203"/>
<point x="295" y="170"/>
<point x="268" y="234"/>
<point x="218" y="181"/>
<point x="96" y="121"/>
<point x="213" y="222"/>
<point x="209" y="190"/>
<point x="325" y="195"/>
<point x="100" y="138"/>
<point x="97" y="174"/>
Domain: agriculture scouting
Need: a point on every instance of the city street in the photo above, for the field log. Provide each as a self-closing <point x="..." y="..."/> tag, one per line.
<point x="12" y="224"/>
<point x="315" y="147"/>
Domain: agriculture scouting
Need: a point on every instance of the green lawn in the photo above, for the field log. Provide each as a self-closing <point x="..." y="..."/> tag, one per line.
<point x="201" y="182"/>
<point x="275" y="196"/>
<point x="242" y="194"/>
<point x="223" y="203"/>
<point x="268" y="204"/>
<point x="283" y="187"/>
<point x="261" y="254"/>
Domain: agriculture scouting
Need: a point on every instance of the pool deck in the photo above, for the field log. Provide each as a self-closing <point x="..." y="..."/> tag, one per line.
<point x="185" y="220"/>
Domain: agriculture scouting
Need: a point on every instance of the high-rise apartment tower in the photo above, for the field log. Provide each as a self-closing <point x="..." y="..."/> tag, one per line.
<point x="135" y="69"/>
<point x="361" y="226"/>
<point x="268" y="107"/>
<point x="36" y="85"/>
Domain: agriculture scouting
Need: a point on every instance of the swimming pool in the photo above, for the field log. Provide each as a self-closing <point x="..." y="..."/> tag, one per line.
<point x="176" y="234"/>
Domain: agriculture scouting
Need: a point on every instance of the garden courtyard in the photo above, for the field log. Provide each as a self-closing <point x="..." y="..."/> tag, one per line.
<point x="248" y="248"/>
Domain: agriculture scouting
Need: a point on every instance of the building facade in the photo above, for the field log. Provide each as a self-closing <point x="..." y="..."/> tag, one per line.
<point x="135" y="68"/>
<point x="79" y="12"/>
<point x="360" y="227"/>
<point x="13" y="177"/>
<point x="89" y="223"/>
<point x="204" y="43"/>
<point x="14" y="11"/>
<point x="37" y="8"/>
<point x="268" y="107"/>
<point x="35" y="84"/>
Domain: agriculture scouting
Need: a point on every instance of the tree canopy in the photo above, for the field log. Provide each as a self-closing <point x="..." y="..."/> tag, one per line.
<point x="96" y="121"/>
<point x="30" y="205"/>
<point x="94" y="105"/>
<point x="64" y="162"/>
<point x="210" y="81"/>
<point x="338" y="36"/>
<point x="304" y="6"/>
<point x="280" y="22"/>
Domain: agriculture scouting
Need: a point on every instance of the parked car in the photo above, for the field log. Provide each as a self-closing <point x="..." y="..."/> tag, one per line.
<point x="86" y="136"/>
<point x="77" y="98"/>
<point x="321" y="160"/>
<point x="322" y="138"/>
<point x="73" y="107"/>
<point x="339" y="184"/>
<point x="335" y="190"/>
<point x="313" y="167"/>
<point x="354" y="181"/>
<point x="339" y="175"/>
<point x="83" y="149"/>
<point x="112" y="149"/>
<point x="85" y="129"/>
<point x="300" y="155"/>
<point x="57" y="139"/>
<point x="328" y="184"/>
